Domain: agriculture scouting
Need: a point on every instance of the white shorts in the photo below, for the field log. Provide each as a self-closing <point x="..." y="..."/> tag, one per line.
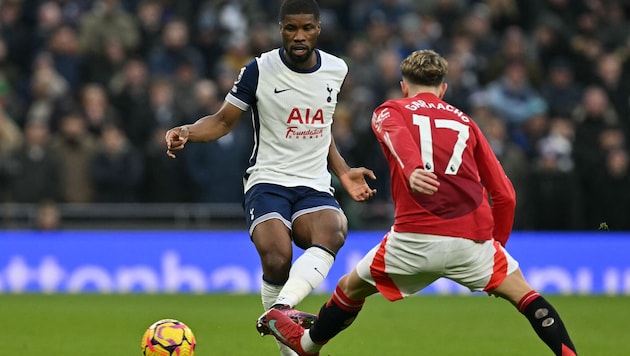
<point x="405" y="263"/>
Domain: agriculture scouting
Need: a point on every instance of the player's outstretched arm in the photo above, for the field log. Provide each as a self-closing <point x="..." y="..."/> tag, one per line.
<point x="207" y="128"/>
<point x="352" y="179"/>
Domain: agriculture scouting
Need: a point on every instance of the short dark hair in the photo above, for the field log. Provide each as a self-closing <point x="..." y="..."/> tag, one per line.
<point x="424" y="67"/>
<point x="296" y="7"/>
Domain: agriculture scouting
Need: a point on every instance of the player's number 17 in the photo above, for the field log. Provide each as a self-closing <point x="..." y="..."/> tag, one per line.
<point x="426" y="142"/>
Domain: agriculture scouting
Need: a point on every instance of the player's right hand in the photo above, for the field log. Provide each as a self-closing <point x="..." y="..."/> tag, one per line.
<point x="176" y="138"/>
<point x="423" y="182"/>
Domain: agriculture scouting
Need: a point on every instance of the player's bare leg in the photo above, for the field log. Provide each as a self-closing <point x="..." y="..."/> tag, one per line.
<point x="275" y="249"/>
<point x="541" y="314"/>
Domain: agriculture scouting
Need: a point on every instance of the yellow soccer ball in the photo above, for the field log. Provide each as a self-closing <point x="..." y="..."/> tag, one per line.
<point x="168" y="337"/>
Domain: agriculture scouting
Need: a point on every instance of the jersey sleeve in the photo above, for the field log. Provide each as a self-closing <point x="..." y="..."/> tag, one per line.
<point x="243" y="92"/>
<point x="499" y="187"/>
<point x="391" y="130"/>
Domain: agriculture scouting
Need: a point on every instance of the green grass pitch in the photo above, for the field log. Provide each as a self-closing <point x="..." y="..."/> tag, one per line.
<point x="112" y="325"/>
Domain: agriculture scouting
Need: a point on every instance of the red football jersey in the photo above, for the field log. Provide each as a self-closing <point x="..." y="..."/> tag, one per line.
<point x="424" y="131"/>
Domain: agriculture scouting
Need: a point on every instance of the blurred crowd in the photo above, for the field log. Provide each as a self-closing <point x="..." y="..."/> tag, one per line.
<point x="88" y="89"/>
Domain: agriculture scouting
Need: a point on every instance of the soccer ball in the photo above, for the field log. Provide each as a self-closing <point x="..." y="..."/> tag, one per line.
<point x="168" y="337"/>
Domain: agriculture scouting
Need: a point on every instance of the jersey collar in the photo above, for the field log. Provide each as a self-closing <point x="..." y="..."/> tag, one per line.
<point x="299" y="70"/>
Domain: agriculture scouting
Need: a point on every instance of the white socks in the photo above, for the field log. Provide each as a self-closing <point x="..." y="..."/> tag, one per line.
<point x="308" y="271"/>
<point x="268" y="293"/>
<point x="307" y="343"/>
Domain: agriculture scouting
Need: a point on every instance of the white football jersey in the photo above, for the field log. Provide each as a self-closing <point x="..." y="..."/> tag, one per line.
<point x="292" y="114"/>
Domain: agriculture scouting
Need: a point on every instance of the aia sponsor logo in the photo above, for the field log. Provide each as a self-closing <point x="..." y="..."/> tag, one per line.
<point x="299" y="117"/>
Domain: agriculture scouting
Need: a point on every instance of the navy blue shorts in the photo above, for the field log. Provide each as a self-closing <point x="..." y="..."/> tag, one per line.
<point x="270" y="201"/>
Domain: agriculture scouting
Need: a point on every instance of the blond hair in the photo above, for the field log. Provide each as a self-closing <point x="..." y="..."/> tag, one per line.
<point x="424" y="67"/>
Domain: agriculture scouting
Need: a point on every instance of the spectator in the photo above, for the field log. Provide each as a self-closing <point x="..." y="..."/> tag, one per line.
<point x="416" y="32"/>
<point x="554" y="193"/>
<point x="566" y="13"/>
<point x="513" y="97"/>
<point x="174" y="48"/>
<point x="260" y="38"/>
<point x="615" y="190"/>
<point x="11" y="139"/>
<point x="206" y="97"/>
<point x="209" y="36"/>
<point x="9" y="71"/>
<point x="129" y="89"/>
<point x="101" y="68"/>
<point x="163" y="111"/>
<point x="561" y="92"/>
<point x="10" y="102"/>
<point x="554" y="198"/>
<point x="514" y="161"/>
<point x="448" y="13"/>
<point x="150" y="15"/>
<point x="66" y="54"/>
<point x="379" y="32"/>
<point x="476" y="24"/>
<point x="75" y="148"/>
<point x="613" y="27"/>
<point x="107" y="21"/>
<point x="48" y="216"/>
<point x="38" y="171"/>
<point x="95" y="107"/>
<point x="49" y="93"/>
<point x="387" y="67"/>
<point x="609" y="76"/>
<point x="504" y="14"/>
<point x="183" y="84"/>
<point x="462" y="82"/>
<point x="549" y="42"/>
<point x="49" y="17"/>
<point x="236" y="55"/>
<point x="593" y="117"/>
<point x="384" y="13"/>
<point x="586" y="47"/>
<point x="514" y="48"/>
<point x="16" y="34"/>
<point x="116" y="168"/>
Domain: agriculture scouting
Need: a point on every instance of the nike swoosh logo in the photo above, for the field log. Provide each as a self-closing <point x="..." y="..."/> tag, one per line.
<point x="320" y="273"/>
<point x="275" y="90"/>
<point x="272" y="326"/>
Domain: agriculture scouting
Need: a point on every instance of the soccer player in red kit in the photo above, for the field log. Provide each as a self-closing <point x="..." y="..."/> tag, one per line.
<point x="442" y="171"/>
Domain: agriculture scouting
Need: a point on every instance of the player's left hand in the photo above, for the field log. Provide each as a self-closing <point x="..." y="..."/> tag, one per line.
<point x="354" y="183"/>
<point x="423" y="182"/>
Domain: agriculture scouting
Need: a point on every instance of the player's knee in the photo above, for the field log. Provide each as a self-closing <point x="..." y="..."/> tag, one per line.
<point x="276" y="266"/>
<point x="338" y="240"/>
<point x="337" y="234"/>
<point x="333" y="241"/>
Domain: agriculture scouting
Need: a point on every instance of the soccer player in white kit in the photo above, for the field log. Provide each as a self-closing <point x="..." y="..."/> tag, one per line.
<point x="442" y="171"/>
<point x="292" y="93"/>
